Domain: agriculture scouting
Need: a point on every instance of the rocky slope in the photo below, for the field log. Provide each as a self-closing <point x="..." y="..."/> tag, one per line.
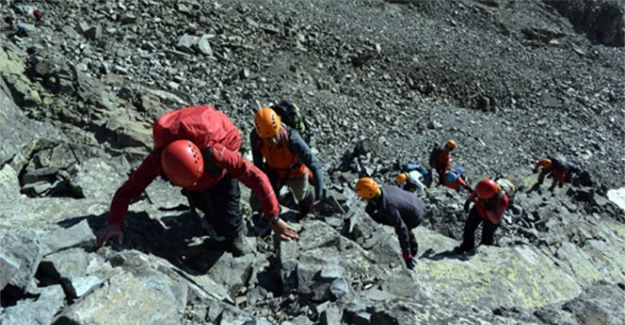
<point x="380" y="81"/>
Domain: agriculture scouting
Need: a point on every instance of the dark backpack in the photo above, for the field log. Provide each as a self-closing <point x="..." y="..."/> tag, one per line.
<point x="436" y="150"/>
<point x="558" y="161"/>
<point x="292" y="116"/>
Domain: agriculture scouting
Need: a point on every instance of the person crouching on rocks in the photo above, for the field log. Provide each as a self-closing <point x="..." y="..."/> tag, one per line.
<point x="489" y="209"/>
<point x="392" y="206"/>
<point x="284" y="156"/>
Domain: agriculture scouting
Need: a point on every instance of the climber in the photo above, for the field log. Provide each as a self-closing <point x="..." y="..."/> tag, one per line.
<point x="392" y="206"/>
<point x="284" y="156"/>
<point x="489" y="209"/>
<point x="556" y="166"/>
<point x="455" y="179"/>
<point x="411" y="181"/>
<point x="440" y="158"/>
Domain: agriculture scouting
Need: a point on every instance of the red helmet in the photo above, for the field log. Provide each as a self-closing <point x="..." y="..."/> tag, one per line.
<point x="182" y="162"/>
<point x="486" y="189"/>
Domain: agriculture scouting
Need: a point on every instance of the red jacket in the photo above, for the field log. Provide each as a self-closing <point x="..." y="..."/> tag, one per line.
<point x="442" y="161"/>
<point x="229" y="160"/>
<point x="494" y="215"/>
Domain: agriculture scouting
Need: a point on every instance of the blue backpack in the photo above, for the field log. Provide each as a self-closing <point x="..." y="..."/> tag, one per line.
<point x="460" y="172"/>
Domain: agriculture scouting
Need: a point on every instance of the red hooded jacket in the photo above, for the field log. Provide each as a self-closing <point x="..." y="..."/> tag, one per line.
<point x="206" y="127"/>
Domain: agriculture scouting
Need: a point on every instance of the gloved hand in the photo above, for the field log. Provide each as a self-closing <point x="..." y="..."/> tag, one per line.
<point x="534" y="171"/>
<point x="410" y="261"/>
<point x="466" y="207"/>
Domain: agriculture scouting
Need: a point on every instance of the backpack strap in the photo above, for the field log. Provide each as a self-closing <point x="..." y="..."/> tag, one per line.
<point x="286" y="140"/>
<point x="209" y="162"/>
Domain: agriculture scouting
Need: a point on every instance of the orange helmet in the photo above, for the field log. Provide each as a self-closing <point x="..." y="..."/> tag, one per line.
<point x="267" y="122"/>
<point x="182" y="162"/>
<point x="401" y="178"/>
<point x="486" y="189"/>
<point x="451" y="144"/>
<point x="367" y="188"/>
<point x="547" y="163"/>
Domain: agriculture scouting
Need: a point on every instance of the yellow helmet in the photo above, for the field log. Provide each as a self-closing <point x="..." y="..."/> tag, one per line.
<point x="401" y="178"/>
<point x="267" y="122"/>
<point x="451" y="144"/>
<point x="367" y="188"/>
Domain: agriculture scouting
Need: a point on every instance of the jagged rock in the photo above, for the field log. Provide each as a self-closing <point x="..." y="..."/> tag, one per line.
<point x="603" y="21"/>
<point x="128" y="298"/>
<point x="35" y="311"/>
<point x="21" y="248"/>
<point x="73" y="236"/>
<point x="370" y="99"/>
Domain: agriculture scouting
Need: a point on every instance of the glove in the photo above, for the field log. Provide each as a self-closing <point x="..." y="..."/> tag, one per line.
<point x="410" y="261"/>
<point x="534" y="171"/>
<point x="466" y="207"/>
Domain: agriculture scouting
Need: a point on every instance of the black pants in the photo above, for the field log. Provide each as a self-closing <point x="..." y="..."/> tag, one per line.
<point x="221" y="206"/>
<point x="414" y="246"/>
<point x="488" y="231"/>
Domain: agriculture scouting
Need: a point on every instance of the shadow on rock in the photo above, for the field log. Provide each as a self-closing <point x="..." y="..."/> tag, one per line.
<point x="178" y="238"/>
<point x="430" y="254"/>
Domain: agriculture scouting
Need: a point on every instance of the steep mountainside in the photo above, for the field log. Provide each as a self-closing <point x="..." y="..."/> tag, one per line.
<point x="380" y="82"/>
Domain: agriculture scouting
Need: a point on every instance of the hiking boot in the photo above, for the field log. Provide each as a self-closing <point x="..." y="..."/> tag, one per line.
<point x="240" y="246"/>
<point x="459" y="250"/>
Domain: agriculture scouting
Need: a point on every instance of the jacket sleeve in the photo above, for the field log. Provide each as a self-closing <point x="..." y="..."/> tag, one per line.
<point x="462" y="182"/>
<point x="403" y="233"/>
<point x="299" y="147"/>
<point x="257" y="157"/>
<point x="470" y="199"/>
<point x="149" y="169"/>
<point x="420" y="186"/>
<point x="414" y="179"/>
<point x="538" y="164"/>
<point x="250" y="175"/>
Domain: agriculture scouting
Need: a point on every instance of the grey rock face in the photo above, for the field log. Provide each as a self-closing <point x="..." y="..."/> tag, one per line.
<point x="381" y="82"/>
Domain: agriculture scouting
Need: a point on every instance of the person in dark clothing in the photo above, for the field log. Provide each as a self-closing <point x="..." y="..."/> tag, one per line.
<point x="559" y="168"/>
<point x="491" y="204"/>
<point x="392" y="206"/>
<point x="284" y="156"/>
<point x="10" y="20"/>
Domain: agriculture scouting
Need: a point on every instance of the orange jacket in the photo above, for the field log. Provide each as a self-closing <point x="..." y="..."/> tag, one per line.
<point x="280" y="159"/>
